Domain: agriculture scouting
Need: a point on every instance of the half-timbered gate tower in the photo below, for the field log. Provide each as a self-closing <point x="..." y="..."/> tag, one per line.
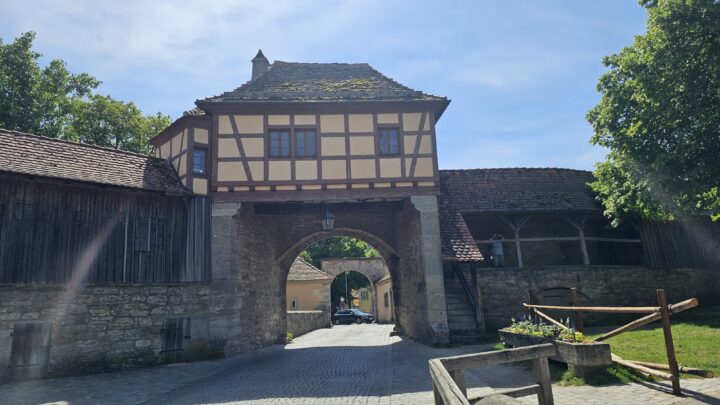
<point x="298" y="144"/>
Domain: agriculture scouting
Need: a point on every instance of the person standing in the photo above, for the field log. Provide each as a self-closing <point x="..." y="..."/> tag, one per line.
<point x="496" y="250"/>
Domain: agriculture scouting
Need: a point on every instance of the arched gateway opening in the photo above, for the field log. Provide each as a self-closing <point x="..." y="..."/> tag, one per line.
<point x="331" y="280"/>
<point x="255" y="245"/>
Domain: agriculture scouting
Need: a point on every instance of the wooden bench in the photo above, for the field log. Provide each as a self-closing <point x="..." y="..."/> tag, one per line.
<point x="449" y="379"/>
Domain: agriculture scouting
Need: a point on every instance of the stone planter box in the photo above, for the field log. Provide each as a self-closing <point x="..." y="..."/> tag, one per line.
<point x="581" y="358"/>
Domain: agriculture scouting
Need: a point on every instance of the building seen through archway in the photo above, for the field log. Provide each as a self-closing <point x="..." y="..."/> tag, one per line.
<point x="334" y="274"/>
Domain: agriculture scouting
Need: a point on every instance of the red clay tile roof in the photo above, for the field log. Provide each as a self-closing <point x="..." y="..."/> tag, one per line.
<point x="457" y="243"/>
<point x="304" y="271"/>
<point x="518" y="190"/>
<point x="290" y="81"/>
<point x="40" y="156"/>
<point x="505" y="191"/>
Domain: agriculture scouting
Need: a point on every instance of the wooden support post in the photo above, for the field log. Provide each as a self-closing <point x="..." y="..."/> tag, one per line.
<point x="516" y="225"/>
<point x="578" y="315"/>
<point x="580" y="226"/>
<point x="479" y="322"/>
<point x="459" y="377"/>
<point x="669" y="345"/>
<point x="437" y="396"/>
<point x="532" y="299"/>
<point x="541" y="370"/>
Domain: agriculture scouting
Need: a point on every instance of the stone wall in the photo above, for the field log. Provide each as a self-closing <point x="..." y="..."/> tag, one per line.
<point x="503" y="290"/>
<point x="105" y="328"/>
<point x="255" y="244"/>
<point x="302" y="322"/>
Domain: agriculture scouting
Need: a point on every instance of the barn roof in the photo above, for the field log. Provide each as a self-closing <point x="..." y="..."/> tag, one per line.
<point x="291" y="81"/>
<point x="513" y="190"/>
<point x="304" y="271"/>
<point x="517" y="190"/>
<point x="35" y="155"/>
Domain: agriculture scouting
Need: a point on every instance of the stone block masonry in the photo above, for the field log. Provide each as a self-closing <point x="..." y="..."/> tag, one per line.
<point x="302" y="322"/>
<point x="503" y="290"/>
<point x="102" y="328"/>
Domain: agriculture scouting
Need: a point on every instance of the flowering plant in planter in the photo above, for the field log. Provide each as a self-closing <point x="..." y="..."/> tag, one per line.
<point x="536" y="327"/>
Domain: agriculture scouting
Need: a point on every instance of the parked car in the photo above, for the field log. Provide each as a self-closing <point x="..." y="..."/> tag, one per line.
<point x="352" y="315"/>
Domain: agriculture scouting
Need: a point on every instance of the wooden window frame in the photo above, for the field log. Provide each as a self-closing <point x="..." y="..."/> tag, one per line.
<point x="289" y="133"/>
<point x="295" y="133"/>
<point x="204" y="173"/>
<point x="397" y="151"/>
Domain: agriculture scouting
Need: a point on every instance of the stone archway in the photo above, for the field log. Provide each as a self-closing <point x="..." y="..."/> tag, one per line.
<point x="254" y="245"/>
<point x="372" y="268"/>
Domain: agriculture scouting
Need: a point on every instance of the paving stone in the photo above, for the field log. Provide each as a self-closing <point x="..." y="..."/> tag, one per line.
<point x="348" y="364"/>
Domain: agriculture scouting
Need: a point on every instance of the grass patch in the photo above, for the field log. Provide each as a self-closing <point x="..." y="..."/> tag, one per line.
<point x="614" y="374"/>
<point x="696" y="336"/>
<point x="499" y="346"/>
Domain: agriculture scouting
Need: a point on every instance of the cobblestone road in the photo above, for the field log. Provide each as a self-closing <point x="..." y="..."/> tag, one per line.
<point x="354" y="364"/>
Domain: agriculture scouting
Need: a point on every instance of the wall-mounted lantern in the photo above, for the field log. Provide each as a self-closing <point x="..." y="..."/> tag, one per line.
<point x="328" y="220"/>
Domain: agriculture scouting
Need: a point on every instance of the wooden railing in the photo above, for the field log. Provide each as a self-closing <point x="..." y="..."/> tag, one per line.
<point x="661" y="313"/>
<point x="448" y="376"/>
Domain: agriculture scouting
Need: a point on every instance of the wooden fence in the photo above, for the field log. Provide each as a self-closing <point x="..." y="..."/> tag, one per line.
<point x="661" y="312"/>
<point x="448" y="377"/>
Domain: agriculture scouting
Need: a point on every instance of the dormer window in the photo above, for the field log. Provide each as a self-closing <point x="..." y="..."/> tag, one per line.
<point x="280" y="143"/>
<point x="388" y="141"/>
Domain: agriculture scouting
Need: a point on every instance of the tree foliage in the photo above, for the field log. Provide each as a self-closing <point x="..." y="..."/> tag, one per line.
<point x="53" y="102"/>
<point x="355" y="281"/>
<point x="337" y="247"/>
<point x="659" y="115"/>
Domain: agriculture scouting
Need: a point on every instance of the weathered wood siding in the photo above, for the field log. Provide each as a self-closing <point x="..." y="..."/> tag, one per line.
<point x="683" y="243"/>
<point x="51" y="232"/>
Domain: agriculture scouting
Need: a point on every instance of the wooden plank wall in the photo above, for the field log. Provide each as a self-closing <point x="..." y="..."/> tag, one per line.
<point x="683" y="243"/>
<point x="198" y="239"/>
<point x="50" y="232"/>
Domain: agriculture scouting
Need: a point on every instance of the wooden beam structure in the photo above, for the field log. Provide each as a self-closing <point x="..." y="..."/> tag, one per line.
<point x="579" y="224"/>
<point x="516" y="224"/>
<point x="550" y="319"/>
<point x="674" y="309"/>
<point x="669" y="345"/>
<point x="449" y="381"/>
<point x="575" y="300"/>
<point x="615" y="310"/>
<point x="685" y="370"/>
<point x="642" y="369"/>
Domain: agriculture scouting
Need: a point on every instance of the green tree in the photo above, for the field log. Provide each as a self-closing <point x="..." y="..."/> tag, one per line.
<point x="337" y="247"/>
<point x="101" y="120"/>
<point x="355" y="281"/>
<point x="53" y="102"/>
<point x="659" y="115"/>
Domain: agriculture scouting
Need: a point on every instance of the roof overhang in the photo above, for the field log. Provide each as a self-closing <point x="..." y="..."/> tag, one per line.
<point x="438" y="106"/>
<point x="202" y="121"/>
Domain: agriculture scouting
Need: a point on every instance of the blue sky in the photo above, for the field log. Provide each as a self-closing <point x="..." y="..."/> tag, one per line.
<point x="521" y="75"/>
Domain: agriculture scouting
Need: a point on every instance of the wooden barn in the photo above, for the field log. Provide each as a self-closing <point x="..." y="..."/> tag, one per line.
<point x="106" y="216"/>
<point x="94" y="245"/>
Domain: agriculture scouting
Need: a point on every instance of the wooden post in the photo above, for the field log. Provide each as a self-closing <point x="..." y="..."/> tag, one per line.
<point x="578" y="315"/>
<point x="542" y="378"/>
<point x="580" y="226"/>
<point x="669" y="345"/>
<point x="516" y="226"/>
<point x="531" y="300"/>
<point x="459" y="377"/>
<point x="479" y="322"/>
<point x="437" y="396"/>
